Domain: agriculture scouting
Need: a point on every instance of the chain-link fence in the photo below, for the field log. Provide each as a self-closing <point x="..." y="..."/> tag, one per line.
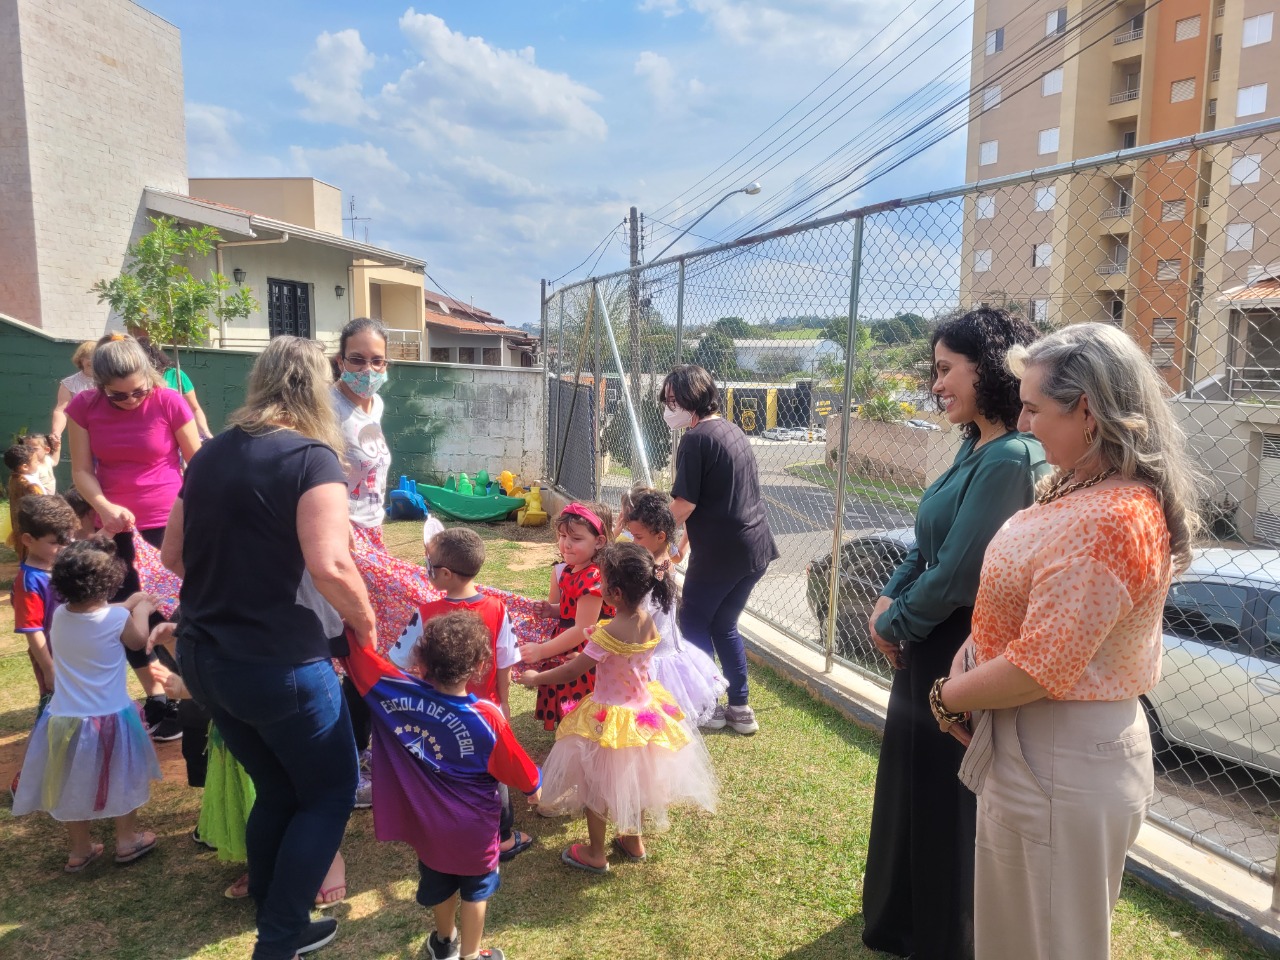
<point x="1177" y="244"/>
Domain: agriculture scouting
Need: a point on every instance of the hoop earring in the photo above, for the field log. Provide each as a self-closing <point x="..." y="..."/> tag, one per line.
<point x="1088" y="437"/>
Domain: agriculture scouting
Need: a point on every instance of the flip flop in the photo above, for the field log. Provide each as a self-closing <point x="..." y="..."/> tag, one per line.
<point x="95" y="851"/>
<point x="322" y="898"/>
<point x="627" y="854"/>
<point x="238" y="890"/>
<point x="570" y="856"/>
<point x="137" y="852"/>
<point x="523" y="843"/>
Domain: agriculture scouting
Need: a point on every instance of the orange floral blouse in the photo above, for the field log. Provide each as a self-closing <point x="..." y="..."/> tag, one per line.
<point x="1073" y="592"/>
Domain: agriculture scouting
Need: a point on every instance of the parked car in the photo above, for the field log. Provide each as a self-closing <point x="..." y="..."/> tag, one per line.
<point x="777" y="433"/>
<point x="819" y="434"/>
<point x="1219" y="690"/>
<point x="799" y="433"/>
<point x="922" y="425"/>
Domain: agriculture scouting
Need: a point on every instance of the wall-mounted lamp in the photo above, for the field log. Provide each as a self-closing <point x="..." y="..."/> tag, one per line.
<point x="339" y="290"/>
<point x="238" y="275"/>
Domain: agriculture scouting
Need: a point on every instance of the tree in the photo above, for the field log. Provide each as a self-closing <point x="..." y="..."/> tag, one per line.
<point x="159" y="297"/>
<point x="617" y="436"/>
<point x="735" y="328"/>
<point x="715" y="353"/>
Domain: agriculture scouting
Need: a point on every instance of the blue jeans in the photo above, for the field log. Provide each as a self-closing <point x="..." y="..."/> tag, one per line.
<point x="288" y="726"/>
<point x="709" y="612"/>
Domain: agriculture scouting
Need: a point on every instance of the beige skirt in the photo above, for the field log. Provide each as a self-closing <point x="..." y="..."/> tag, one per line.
<point x="1067" y="789"/>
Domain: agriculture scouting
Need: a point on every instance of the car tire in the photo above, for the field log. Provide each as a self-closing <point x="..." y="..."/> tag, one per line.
<point x="1161" y="750"/>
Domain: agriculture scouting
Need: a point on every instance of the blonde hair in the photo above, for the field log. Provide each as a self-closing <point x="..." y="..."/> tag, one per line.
<point x="1137" y="433"/>
<point x="289" y="388"/>
<point x="83" y="352"/>
<point x="119" y="356"/>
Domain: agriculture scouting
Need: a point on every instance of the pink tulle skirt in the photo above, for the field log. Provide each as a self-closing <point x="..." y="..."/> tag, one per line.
<point x="632" y="787"/>
<point x="396" y="587"/>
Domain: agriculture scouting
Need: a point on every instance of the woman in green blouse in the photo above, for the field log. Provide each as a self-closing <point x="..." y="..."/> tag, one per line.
<point x="918" y="888"/>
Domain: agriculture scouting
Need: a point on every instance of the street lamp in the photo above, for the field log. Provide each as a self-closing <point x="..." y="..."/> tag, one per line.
<point x="750" y="190"/>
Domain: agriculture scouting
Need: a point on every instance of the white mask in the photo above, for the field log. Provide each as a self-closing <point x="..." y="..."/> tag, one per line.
<point x="678" y="418"/>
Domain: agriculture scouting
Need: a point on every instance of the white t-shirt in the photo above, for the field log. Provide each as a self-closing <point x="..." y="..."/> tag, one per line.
<point x="367" y="456"/>
<point x="44" y="473"/>
<point x="90" y="675"/>
<point x="508" y="653"/>
<point x="78" y="382"/>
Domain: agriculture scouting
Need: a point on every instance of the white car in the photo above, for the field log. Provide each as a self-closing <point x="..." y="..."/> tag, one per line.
<point x="922" y="425"/>
<point x="798" y="433"/>
<point x="777" y="433"/>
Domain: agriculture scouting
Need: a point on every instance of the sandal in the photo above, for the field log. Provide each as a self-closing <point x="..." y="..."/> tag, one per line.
<point x="143" y="844"/>
<point x="523" y="843"/>
<point x="570" y="856"/>
<point x="238" y="890"/>
<point x="626" y="854"/>
<point x="76" y="864"/>
<point x="323" y="901"/>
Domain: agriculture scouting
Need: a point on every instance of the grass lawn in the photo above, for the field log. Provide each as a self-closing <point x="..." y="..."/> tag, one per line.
<point x="805" y="333"/>
<point x="776" y="873"/>
<point x="863" y="488"/>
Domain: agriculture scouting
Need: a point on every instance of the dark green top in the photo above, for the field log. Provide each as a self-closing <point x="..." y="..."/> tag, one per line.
<point x="958" y="516"/>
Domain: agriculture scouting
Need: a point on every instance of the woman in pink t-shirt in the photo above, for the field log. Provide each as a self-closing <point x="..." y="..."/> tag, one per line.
<point x="128" y="438"/>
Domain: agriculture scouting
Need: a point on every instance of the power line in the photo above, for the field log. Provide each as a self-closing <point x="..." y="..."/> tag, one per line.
<point x="605" y="239"/>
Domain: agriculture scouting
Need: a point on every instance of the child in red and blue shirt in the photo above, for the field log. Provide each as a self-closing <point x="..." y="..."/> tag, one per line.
<point x="45" y="526"/>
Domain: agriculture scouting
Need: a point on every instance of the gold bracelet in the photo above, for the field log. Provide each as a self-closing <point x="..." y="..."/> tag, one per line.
<point x="940" y="712"/>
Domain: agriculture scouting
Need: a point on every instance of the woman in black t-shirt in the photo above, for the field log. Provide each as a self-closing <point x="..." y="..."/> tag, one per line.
<point x="716" y="495"/>
<point x="260" y="537"/>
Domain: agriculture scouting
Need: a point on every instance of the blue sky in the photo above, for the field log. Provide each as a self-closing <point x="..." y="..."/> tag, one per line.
<point x="501" y="141"/>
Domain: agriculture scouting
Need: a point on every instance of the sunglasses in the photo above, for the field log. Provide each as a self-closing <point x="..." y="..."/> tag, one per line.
<point x="357" y="362"/>
<point x="116" y="397"/>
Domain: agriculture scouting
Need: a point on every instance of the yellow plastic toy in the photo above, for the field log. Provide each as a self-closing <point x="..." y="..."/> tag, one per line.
<point x="532" y="514"/>
<point x="507" y="481"/>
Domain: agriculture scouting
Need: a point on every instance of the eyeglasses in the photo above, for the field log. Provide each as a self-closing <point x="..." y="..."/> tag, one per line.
<point x="432" y="568"/>
<point x="669" y="403"/>
<point x="357" y="362"/>
<point x="116" y="397"/>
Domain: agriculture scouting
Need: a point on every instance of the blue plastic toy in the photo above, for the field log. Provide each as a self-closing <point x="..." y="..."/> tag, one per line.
<point x="405" y="503"/>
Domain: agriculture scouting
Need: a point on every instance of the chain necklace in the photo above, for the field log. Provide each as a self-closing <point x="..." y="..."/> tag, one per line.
<point x="1060" y="487"/>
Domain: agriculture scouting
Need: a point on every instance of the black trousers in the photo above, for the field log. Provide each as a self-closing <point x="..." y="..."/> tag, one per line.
<point x="917" y="895"/>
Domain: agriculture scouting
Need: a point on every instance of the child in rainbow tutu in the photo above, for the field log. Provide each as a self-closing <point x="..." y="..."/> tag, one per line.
<point x="623" y="754"/>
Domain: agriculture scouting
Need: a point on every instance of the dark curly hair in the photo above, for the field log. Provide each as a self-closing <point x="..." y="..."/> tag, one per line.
<point x="653" y="512"/>
<point x="88" y="570"/>
<point x="627" y="569"/>
<point x="984" y="336"/>
<point x="452" y="648"/>
<point x="41" y="516"/>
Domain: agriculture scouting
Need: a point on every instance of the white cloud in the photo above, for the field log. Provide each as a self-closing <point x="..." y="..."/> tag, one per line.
<point x="668" y="8"/>
<point x="463" y="86"/>
<point x="349" y="163"/>
<point x="211" y="144"/>
<point x="827" y="30"/>
<point x="333" y="81"/>
<point x="667" y="90"/>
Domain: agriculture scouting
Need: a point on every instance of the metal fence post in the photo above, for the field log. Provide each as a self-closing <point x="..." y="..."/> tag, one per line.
<point x="542" y="312"/>
<point x="842" y="473"/>
<point x="637" y="437"/>
<point x="679" y="358"/>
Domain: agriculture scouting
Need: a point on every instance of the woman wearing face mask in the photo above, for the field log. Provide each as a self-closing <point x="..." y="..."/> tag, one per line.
<point x="716" y="495"/>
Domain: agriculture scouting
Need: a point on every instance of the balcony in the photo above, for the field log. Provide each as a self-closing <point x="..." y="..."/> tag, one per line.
<point x="1127" y="36"/>
<point x="1215" y="75"/>
<point x="1109" y="268"/>
<point x="1124" y="96"/>
<point x="404" y="344"/>
<point x="1118" y="211"/>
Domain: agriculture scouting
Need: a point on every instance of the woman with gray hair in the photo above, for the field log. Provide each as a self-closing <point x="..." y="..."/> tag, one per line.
<point x="128" y="438"/>
<point x="1066" y="638"/>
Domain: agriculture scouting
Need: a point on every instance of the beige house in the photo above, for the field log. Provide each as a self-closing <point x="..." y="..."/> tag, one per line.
<point x="458" y="332"/>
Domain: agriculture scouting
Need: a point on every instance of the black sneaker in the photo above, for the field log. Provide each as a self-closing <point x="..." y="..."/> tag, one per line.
<point x="443" y="949"/>
<point x="200" y="841"/>
<point x="317" y="934"/>
<point x="160" y="714"/>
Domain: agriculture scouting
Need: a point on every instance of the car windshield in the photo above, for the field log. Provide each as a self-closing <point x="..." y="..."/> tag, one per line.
<point x="1206" y="611"/>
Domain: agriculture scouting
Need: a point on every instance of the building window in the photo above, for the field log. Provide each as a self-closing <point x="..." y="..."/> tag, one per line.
<point x="991" y="97"/>
<point x="995" y="40"/>
<point x="1045" y="198"/>
<point x="1251" y="100"/>
<point x="1163" y="354"/>
<point x="466" y="354"/>
<point x="1168" y="269"/>
<point x="1117" y="310"/>
<point x="985" y="208"/>
<point x="1128" y="139"/>
<point x="1055" y="23"/>
<point x="1257" y="30"/>
<point x="1166" y="328"/>
<point x="981" y="261"/>
<point x="1239" y="237"/>
<point x="1173" y="210"/>
<point x="1051" y="83"/>
<point x="1042" y="254"/>
<point x="1187" y="29"/>
<point x="1246" y="169"/>
<point x="491" y="356"/>
<point x="988" y="152"/>
<point x="440" y="355"/>
<point x="1039" y="310"/>
<point x="1182" y="90"/>
<point x="1048" y="141"/>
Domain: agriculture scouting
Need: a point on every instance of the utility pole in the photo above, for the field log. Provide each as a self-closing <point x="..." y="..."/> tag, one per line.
<point x="633" y="310"/>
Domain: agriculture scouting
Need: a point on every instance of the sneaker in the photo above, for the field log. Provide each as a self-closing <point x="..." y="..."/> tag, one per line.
<point x="491" y="953"/>
<point x="200" y="841"/>
<point x="160" y="714"/>
<point x="316" y="934"/>
<point x="366" y="762"/>
<point x="443" y="949"/>
<point x="715" y="721"/>
<point x="364" y="793"/>
<point x="166" y="730"/>
<point x="741" y="720"/>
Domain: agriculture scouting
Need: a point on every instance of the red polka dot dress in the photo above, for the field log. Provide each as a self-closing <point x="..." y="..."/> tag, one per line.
<point x="574" y="585"/>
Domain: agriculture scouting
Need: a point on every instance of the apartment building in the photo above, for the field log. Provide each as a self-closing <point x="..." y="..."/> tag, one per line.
<point x="1177" y="249"/>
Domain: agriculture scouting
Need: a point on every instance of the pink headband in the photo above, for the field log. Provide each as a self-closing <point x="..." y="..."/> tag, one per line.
<point x="578" y="510"/>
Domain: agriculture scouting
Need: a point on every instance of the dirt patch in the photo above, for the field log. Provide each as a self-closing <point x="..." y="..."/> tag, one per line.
<point x="535" y="557"/>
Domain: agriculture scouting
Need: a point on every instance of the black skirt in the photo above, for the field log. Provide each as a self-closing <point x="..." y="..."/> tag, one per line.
<point x="917" y="896"/>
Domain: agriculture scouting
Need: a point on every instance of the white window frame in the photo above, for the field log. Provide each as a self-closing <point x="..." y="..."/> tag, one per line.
<point x="1180" y="91"/>
<point x="1256" y="30"/>
<point x="991" y="97"/>
<point x="1239" y="237"/>
<point x="984" y="207"/>
<point x="988" y="152"/>
<point x="1188" y="28"/>
<point x="982" y="260"/>
<point x="1046" y="197"/>
<point x="1251" y="100"/>
<point x="1055" y="22"/>
<point x="1048" y="140"/>
<point x="1051" y="83"/>
<point x="1172" y="211"/>
<point x="1039" y="309"/>
<point x="1042" y="255"/>
<point x="1169" y="269"/>
<point x="995" y="41"/>
<point x="1246" y="168"/>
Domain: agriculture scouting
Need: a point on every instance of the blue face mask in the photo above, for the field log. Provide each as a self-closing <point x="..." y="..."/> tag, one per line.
<point x="366" y="383"/>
